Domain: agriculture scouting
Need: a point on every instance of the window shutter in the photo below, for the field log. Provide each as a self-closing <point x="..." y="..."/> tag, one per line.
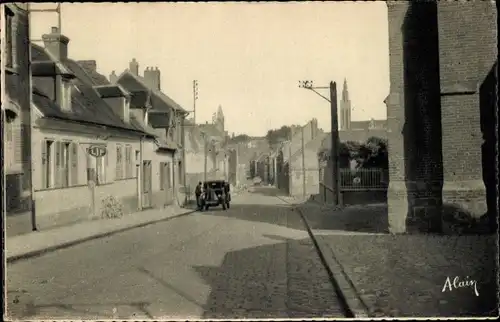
<point x="74" y="164"/>
<point x="17" y="137"/>
<point x="119" y="170"/>
<point x="44" y="165"/>
<point x="57" y="170"/>
<point x="161" y="176"/>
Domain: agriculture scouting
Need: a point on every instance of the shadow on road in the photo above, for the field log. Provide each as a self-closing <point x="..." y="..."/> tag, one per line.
<point x="282" y="280"/>
<point x="371" y="218"/>
<point x="271" y="214"/>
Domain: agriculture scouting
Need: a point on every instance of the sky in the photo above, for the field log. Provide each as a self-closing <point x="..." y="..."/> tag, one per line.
<point x="246" y="57"/>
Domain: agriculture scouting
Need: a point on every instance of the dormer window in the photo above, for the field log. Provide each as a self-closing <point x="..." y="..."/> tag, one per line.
<point x="66" y="95"/>
<point x="126" y="109"/>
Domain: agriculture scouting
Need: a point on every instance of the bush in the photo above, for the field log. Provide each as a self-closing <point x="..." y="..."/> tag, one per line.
<point x="111" y="208"/>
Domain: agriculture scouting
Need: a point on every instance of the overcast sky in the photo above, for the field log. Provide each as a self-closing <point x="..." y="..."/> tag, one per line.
<point x="247" y="57"/>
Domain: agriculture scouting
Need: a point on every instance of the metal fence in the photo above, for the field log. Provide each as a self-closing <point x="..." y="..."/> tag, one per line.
<point x="363" y="179"/>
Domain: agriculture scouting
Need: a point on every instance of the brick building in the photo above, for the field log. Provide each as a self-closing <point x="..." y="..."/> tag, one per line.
<point x="441" y="111"/>
<point x="16" y="115"/>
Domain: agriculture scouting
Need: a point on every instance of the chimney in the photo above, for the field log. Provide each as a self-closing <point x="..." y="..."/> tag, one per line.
<point x="134" y="67"/>
<point x="56" y="44"/>
<point x="113" y="77"/>
<point x="152" y="77"/>
<point x="90" y="65"/>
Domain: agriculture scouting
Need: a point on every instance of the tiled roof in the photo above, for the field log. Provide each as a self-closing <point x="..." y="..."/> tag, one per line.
<point x="160" y="100"/>
<point x="97" y="79"/>
<point x="87" y="106"/>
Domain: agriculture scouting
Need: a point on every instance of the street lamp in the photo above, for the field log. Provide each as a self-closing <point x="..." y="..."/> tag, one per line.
<point x="309" y="85"/>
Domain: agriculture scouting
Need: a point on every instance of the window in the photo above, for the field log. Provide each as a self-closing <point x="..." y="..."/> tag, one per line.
<point x="13" y="141"/>
<point x="66" y="95"/>
<point x="47" y="163"/>
<point x="180" y="172"/>
<point x="59" y="164"/>
<point x="74" y="164"/>
<point x="165" y="176"/>
<point x="10" y="39"/>
<point x="119" y="163"/>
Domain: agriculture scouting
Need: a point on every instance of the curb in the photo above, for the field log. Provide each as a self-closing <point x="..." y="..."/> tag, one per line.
<point x="352" y="303"/>
<point x="40" y="252"/>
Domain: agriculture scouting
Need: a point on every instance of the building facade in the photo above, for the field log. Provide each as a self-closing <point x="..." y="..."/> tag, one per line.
<point x="16" y="115"/>
<point x="163" y="116"/>
<point x="441" y="148"/>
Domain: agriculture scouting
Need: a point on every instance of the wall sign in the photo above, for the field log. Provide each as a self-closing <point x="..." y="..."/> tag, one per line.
<point x="97" y="151"/>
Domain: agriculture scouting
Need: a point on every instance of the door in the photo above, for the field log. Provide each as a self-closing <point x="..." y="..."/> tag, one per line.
<point x="146" y="184"/>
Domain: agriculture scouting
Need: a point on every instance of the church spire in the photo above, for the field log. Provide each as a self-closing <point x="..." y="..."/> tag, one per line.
<point x="345" y="92"/>
<point x="219" y="112"/>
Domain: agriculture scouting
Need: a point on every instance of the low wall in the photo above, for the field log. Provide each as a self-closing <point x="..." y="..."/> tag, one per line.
<point x="59" y="207"/>
<point x="349" y="198"/>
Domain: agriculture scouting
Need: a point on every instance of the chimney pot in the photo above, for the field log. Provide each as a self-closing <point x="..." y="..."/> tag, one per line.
<point x="55" y="30"/>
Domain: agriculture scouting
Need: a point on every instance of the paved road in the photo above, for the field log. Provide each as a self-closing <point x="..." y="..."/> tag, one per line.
<point x="253" y="260"/>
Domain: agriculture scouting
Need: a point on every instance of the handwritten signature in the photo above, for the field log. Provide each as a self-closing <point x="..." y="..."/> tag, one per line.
<point x="456" y="283"/>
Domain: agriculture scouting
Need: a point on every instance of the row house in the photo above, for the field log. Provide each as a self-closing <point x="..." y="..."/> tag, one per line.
<point x="74" y="113"/>
<point x="163" y="116"/>
<point x="15" y="98"/>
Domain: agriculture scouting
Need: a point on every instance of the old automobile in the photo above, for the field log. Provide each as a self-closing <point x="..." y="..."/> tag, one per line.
<point x="215" y="193"/>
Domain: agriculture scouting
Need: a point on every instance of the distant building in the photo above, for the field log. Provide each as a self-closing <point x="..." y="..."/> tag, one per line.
<point x="358" y="131"/>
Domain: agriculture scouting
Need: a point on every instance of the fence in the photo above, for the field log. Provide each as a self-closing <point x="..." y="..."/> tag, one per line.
<point x="363" y="179"/>
<point x="359" y="186"/>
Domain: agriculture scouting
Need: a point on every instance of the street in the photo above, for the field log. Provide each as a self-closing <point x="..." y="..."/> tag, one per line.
<point x="254" y="260"/>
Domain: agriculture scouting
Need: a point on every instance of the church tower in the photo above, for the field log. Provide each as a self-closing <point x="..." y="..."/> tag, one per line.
<point x="220" y="119"/>
<point x="345" y="108"/>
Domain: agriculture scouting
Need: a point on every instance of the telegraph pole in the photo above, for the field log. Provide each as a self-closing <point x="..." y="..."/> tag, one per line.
<point x="30" y="11"/>
<point x="303" y="163"/>
<point x="335" y="143"/>
<point x="334" y="135"/>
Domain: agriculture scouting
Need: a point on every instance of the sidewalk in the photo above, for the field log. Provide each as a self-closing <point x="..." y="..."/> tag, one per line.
<point x="383" y="275"/>
<point x="37" y="243"/>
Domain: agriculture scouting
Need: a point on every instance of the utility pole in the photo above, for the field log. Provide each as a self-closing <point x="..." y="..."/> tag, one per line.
<point x="335" y="143"/>
<point x="334" y="135"/>
<point x="303" y="163"/>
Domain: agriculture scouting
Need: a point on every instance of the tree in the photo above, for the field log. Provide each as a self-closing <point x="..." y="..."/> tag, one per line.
<point x="240" y="138"/>
<point x="277" y="136"/>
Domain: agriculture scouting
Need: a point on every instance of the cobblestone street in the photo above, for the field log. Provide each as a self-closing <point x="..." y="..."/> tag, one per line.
<point x="254" y="260"/>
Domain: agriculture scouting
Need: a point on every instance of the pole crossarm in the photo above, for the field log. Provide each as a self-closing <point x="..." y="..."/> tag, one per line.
<point x="309" y="85"/>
